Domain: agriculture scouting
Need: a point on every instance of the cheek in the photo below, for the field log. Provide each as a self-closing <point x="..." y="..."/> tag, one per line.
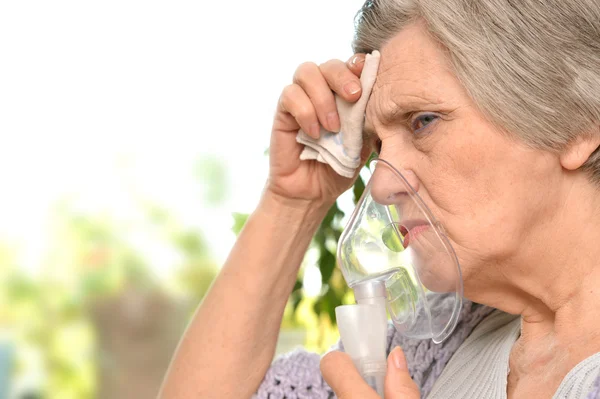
<point x="455" y="170"/>
<point x="484" y="188"/>
<point x="475" y="183"/>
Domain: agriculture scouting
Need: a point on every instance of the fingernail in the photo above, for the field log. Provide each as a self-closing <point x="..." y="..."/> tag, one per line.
<point x="333" y="121"/>
<point x="358" y="59"/>
<point x="315" y="130"/>
<point x="398" y="359"/>
<point x="352" y="88"/>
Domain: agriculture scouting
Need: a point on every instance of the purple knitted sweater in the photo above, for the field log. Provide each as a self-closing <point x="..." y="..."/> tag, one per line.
<point x="297" y="374"/>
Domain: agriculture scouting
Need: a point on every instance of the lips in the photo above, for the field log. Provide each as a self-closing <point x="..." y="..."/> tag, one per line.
<point x="410" y="229"/>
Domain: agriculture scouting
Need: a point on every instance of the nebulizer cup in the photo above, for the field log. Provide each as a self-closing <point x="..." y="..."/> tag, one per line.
<point x="394" y="255"/>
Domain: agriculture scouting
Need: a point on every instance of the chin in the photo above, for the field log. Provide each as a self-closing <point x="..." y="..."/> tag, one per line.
<point x="434" y="263"/>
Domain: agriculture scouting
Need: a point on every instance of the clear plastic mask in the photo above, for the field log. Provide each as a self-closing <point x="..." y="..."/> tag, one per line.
<point x="393" y="237"/>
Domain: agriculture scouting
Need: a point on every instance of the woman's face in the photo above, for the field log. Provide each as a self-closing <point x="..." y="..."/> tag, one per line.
<point x="492" y="194"/>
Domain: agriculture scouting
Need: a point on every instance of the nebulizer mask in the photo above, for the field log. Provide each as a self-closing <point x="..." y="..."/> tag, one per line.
<point x="395" y="256"/>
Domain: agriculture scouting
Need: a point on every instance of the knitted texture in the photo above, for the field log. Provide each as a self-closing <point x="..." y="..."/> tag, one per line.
<point x="595" y="392"/>
<point x="297" y="374"/>
<point x="294" y="375"/>
<point x="427" y="360"/>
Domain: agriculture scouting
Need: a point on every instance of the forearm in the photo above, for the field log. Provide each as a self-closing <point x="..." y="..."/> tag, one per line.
<point x="231" y="340"/>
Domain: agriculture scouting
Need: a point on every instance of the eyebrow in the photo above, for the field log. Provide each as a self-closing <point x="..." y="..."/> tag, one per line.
<point x="399" y="111"/>
<point x="390" y="115"/>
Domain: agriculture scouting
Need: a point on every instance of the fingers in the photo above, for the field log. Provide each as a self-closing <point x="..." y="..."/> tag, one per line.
<point x="356" y="63"/>
<point x="341" y="79"/>
<point x="309" y="77"/>
<point x="339" y="372"/>
<point x="317" y="84"/>
<point x="296" y="102"/>
<point x="398" y="384"/>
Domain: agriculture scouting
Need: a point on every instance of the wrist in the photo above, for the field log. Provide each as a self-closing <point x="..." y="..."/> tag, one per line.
<point x="281" y="228"/>
<point x="293" y="210"/>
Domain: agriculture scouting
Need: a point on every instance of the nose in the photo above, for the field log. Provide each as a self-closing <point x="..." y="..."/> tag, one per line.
<point x="390" y="185"/>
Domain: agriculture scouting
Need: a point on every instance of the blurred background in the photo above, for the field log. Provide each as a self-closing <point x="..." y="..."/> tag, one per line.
<point x="134" y="140"/>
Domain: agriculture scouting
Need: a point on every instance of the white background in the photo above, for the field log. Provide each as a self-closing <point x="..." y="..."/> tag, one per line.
<point x="104" y="101"/>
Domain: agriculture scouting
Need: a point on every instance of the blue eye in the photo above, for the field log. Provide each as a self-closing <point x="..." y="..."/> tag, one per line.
<point x="421" y="121"/>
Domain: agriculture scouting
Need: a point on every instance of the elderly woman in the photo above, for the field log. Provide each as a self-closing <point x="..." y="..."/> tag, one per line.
<point x="494" y="107"/>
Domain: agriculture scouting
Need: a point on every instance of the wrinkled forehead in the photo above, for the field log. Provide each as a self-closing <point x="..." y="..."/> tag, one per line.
<point x="414" y="75"/>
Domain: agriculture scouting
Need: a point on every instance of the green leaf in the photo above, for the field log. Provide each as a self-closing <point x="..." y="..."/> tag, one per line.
<point x="373" y="156"/>
<point x="296" y="299"/>
<point x="326" y="265"/>
<point x="329" y="302"/>
<point x="358" y="189"/>
<point x="239" y="220"/>
<point x="328" y="219"/>
<point x="298" y="285"/>
<point x="392" y="238"/>
<point x="318" y="306"/>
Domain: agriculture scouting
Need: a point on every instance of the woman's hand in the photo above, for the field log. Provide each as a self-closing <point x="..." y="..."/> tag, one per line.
<point x="341" y="375"/>
<point x="306" y="104"/>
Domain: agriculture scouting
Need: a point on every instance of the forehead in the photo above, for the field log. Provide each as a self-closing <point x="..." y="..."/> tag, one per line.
<point x="414" y="75"/>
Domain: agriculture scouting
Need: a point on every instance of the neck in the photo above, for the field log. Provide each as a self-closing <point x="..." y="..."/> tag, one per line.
<point x="553" y="284"/>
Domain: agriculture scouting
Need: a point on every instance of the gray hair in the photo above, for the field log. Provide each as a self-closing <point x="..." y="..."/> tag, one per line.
<point x="531" y="66"/>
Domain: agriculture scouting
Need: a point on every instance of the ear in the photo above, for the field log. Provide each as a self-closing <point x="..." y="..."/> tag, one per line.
<point x="578" y="152"/>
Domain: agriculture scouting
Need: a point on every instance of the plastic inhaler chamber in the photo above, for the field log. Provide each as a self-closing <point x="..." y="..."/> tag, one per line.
<point x="363" y="330"/>
<point x="395" y="256"/>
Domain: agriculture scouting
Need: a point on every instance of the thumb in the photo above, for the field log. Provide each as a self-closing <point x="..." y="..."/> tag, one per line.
<point x="339" y="372"/>
<point x="398" y="384"/>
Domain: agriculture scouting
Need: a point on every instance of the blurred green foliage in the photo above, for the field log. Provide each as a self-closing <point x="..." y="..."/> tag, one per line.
<point x="92" y="259"/>
<point x="47" y="315"/>
<point x="335" y="292"/>
<point x="239" y="220"/>
<point x="50" y="331"/>
<point x="321" y="323"/>
<point x="213" y="172"/>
